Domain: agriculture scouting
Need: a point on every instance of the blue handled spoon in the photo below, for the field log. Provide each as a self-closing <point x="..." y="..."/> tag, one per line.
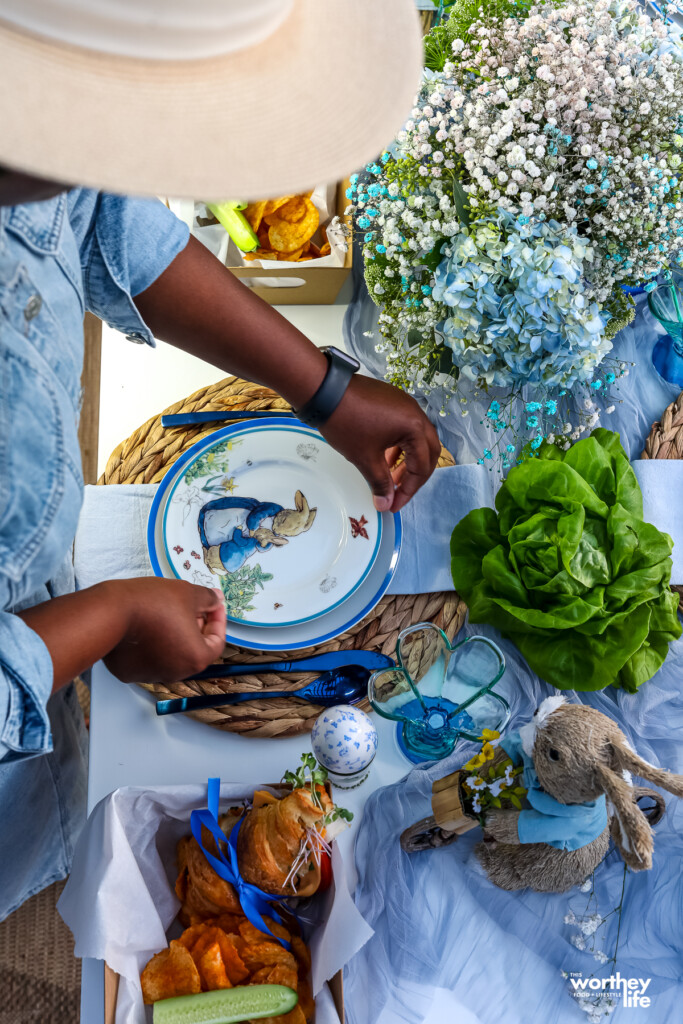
<point x="347" y="685"/>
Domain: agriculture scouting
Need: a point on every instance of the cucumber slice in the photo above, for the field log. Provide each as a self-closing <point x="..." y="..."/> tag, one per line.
<point x="227" y="1005"/>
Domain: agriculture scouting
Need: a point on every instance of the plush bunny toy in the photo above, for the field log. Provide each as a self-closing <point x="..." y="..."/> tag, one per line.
<point x="577" y="770"/>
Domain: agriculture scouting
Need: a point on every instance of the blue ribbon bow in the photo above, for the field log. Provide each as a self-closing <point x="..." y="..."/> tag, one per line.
<point x="254" y="901"/>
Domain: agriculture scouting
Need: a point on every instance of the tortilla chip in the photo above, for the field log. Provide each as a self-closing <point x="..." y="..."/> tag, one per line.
<point x="229" y="923"/>
<point x="172" y="972"/>
<point x="302" y="954"/>
<point x="261" y="254"/>
<point x="206" y="939"/>
<point x="292" y="257"/>
<point x="282" y="974"/>
<point x="232" y="961"/>
<point x="292" y="211"/>
<point x="276" y="929"/>
<point x="254" y="213"/>
<point x="212" y="969"/>
<point x="264" y="954"/>
<point x="261" y="976"/>
<point x="191" y="934"/>
<point x="274" y="204"/>
<point x="288" y="235"/>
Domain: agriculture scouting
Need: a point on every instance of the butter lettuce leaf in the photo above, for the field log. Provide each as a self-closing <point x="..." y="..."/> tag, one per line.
<point x="567" y="569"/>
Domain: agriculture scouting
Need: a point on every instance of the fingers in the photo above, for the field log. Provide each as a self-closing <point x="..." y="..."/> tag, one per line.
<point x="419" y="464"/>
<point x="381" y="483"/>
<point x="213" y="628"/>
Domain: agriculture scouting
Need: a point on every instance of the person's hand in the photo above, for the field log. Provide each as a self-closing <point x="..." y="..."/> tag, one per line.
<point x="372" y="426"/>
<point x="173" y="629"/>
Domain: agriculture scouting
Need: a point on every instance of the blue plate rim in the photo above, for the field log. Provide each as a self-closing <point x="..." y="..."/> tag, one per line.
<point x="291" y="426"/>
<point x="239" y="641"/>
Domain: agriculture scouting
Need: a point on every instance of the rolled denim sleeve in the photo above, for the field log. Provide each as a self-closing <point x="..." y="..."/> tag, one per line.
<point x="25" y="685"/>
<point x="127" y="245"/>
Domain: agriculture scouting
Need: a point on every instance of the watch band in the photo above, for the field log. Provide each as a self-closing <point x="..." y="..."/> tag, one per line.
<point x="340" y="370"/>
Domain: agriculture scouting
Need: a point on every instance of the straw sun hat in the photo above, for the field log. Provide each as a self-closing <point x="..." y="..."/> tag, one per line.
<point x="207" y="99"/>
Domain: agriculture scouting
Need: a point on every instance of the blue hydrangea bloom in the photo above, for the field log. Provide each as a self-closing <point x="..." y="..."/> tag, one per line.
<point x="517" y="309"/>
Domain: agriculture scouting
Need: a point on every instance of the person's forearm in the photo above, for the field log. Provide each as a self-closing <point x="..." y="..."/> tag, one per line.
<point x="78" y="629"/>
<point x="199" y="306"/>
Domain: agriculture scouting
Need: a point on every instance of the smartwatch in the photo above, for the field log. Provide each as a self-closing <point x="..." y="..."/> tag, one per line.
<point x="340" y="370"/>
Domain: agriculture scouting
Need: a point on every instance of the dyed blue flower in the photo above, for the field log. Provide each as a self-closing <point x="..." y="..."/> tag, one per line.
<point x="551" y="406"/>
<point x="532" y="421"/>
<point x="537" y="441"/>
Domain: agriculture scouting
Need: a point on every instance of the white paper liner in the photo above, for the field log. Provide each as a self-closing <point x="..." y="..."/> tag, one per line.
<point x="119" y="901"/>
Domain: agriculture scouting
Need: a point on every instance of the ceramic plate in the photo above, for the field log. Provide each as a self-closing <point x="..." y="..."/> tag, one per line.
<point x="272" y="515"/>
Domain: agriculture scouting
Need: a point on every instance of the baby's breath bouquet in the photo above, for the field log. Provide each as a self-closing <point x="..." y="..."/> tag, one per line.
<point x="537" y="175"/>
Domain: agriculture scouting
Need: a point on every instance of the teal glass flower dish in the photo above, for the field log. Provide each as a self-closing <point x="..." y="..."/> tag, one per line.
<point x="440" y="693"/>
<point x="666" y="304"/>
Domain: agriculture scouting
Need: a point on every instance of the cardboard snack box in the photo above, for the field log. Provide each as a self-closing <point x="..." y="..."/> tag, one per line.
<point x="319" y="285"/>
<point x="111" y="978"/>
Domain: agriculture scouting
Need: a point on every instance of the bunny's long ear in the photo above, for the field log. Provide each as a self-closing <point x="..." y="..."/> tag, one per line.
<point x="633" y="835"/>
<point x="626" y="758"/>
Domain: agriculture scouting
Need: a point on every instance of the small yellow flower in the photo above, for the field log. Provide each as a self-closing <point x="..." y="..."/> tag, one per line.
<point x="490" y="734"/>
<point x="228" y="484"/>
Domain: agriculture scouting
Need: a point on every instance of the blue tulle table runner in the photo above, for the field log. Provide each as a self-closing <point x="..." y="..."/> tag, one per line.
<point x="438" y="920"/>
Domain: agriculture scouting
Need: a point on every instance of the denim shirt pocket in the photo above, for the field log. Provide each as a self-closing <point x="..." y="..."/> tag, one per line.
<point x="40" y="476"/>
<point x="44" y="296"/>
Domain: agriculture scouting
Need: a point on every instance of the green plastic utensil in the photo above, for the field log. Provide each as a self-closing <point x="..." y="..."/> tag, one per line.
<point x="230" y="215"/>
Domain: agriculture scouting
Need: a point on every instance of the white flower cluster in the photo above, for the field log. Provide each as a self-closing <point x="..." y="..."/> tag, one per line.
<point x="576" y="118"/>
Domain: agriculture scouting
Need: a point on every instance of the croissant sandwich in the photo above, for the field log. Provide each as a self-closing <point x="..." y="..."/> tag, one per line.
<point x="278" y="849"/>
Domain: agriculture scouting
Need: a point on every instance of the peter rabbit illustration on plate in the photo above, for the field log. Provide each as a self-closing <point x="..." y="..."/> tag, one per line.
<point x="231" y="530"/>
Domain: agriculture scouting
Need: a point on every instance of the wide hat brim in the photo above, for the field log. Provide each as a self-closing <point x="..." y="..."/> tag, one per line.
<point x="316" y="100"/>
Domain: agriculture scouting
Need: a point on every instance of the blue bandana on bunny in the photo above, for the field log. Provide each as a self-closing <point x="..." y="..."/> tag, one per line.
<point x="564" y="826"/>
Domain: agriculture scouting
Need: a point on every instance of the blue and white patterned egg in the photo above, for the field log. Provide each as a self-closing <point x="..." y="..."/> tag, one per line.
<point x="344" y="740"/>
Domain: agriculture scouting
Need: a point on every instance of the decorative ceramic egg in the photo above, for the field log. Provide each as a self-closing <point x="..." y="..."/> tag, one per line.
<point x="344" y="741"/>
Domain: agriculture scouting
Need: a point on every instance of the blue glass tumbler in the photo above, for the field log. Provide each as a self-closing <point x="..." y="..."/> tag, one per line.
<point x="440" y="693"/>
<point x="666" y="304"/>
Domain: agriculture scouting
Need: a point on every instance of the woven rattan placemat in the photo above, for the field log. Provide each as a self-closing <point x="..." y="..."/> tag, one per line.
<point x="146" y="456"/>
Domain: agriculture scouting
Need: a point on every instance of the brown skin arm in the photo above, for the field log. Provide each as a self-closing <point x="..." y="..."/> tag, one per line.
<point x="198" y="306"/>
<point x="163" y="630"/>
<point x="147" y="629"/>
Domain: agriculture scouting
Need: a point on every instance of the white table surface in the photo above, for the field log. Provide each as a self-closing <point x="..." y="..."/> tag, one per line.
<point x="129" y="745"/>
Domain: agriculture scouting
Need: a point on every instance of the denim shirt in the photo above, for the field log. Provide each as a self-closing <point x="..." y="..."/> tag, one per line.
<point x="81" y="250"/>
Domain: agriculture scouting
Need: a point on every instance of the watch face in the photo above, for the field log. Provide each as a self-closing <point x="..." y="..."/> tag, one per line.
<point x="342" y="357"/>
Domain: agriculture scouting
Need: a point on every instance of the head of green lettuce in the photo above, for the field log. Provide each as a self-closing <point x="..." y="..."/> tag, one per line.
<point x="568" y="570"/>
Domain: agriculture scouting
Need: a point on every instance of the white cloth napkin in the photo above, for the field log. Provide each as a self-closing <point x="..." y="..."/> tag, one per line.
<point x="111" y="541"/>
<point x="661" y="481"/>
